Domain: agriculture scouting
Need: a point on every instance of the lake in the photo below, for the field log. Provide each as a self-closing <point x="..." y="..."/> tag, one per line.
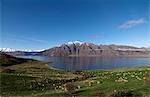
<point x="90" y="63"/>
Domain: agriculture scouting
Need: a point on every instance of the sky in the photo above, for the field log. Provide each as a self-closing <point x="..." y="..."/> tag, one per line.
<point x="40" y="24"/>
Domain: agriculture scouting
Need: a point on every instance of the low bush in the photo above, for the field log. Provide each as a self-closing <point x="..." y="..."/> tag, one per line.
<point x="147" y="79"/>
<point x="69" y="88"/>
<point x="127" y="94"/>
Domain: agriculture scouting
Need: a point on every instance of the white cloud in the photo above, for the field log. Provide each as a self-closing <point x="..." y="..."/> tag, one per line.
<point x="132" y="23"/>
<point x="37" y="40"/>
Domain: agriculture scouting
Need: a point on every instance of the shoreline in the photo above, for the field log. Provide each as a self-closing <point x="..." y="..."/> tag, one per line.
<point x="112" y="69"/>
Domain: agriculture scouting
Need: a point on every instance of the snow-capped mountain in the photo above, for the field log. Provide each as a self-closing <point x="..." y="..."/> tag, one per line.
<point x="8" y="50"/>
<point x="77" y="48"/>
<point x="18" y="50"/>
<point x="148" y="47"/>
<point x="13" y="50"/>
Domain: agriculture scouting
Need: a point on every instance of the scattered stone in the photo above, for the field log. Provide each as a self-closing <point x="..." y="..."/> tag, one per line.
<point x="121" y="80"/>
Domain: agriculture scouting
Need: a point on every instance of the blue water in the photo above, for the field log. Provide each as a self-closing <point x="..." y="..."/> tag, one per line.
<point x="91" y="63"/>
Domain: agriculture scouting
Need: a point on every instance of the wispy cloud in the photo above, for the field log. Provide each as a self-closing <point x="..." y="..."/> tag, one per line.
<point x="132" y="23"/>
<point x="27" y="39"/>
<point x="37" y="40"/>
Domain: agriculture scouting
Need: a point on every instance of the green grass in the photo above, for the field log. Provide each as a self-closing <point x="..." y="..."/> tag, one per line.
<point x="34" y="79"/>
<point x="107" y="81"/>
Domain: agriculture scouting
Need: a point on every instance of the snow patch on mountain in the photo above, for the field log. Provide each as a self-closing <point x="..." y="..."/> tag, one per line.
<point x="8" y="50"/>
<point x="15" y="50"/>
<point x="75" y="42"/>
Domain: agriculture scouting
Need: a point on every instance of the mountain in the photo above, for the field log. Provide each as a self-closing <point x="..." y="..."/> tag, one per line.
<point x="7" y="50"/>
<point x="18" y="52"/>
<point x="15" y="50"/>
<point x="89" y="49"/>
<point x="148" y="47"/>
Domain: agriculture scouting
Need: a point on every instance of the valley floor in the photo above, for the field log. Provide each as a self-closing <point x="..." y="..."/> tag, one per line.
<point x="34" y="79"/>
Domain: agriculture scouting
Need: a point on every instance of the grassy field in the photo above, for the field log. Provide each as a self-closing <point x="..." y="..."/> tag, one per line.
<point x="34" y="79"/>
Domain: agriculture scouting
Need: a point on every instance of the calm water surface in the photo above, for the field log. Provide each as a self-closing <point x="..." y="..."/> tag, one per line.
<point x="90" y="63"/>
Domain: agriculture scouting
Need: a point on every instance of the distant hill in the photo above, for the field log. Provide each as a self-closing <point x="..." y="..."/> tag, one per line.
<point x="21" y="53"/>
<point x="8" y="60"/>
<point x="89" y="49"/>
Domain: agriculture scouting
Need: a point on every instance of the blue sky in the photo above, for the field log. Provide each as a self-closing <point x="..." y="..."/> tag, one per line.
<point x="39" y="24"/>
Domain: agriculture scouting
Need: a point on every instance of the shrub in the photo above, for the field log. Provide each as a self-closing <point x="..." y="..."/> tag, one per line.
<point x="147" y="79"/>
<point x="127" y="94"/>
<point x="69" y="87"/>
<point x="98" y="94"/>
<point x="7" y="70"/>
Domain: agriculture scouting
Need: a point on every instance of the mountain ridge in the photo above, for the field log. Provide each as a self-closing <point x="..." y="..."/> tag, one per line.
<point x="77" y="48"/>
<point x="15" y="50"/>
<point x="90" y="49"/>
